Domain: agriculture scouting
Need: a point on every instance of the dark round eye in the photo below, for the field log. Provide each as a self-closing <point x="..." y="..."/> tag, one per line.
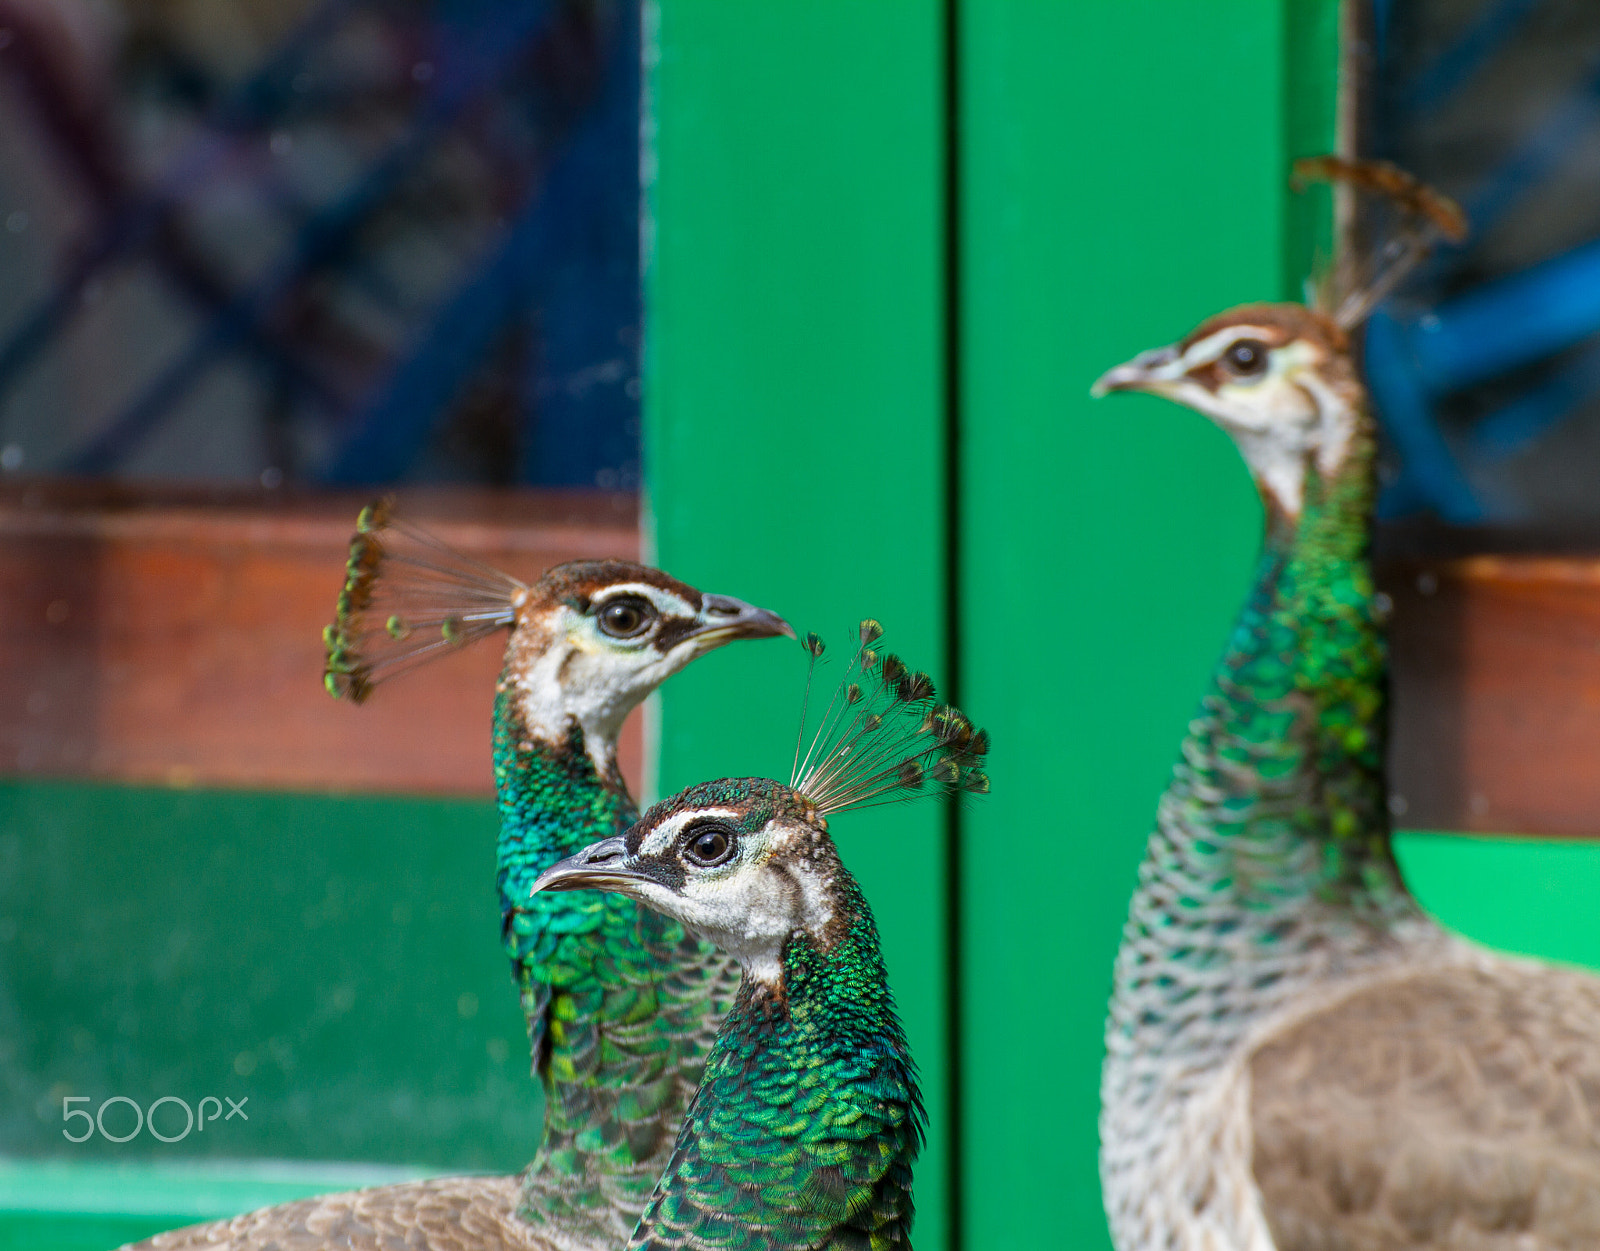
<point x="625" y="618"/>
<point x="1247" y="358"/>
<point x="708" y="845"/>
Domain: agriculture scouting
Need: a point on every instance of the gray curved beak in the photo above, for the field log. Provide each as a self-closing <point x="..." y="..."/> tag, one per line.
<point x="599" y="866"/>
<point x="1142" y="373"/>
<point x="725" y="619"/>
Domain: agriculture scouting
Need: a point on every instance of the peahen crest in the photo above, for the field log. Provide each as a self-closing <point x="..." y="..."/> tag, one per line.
<point x="1359" y="283"/>
<point x="884" y="737"/>
<point x="406" y="597"/>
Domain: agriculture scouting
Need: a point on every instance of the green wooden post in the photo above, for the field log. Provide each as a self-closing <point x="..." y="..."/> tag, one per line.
<point x="1124" y="170"/>
<point x="794" y="420"/>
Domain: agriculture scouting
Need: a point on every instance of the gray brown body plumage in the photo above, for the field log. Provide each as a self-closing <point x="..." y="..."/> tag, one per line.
<point x="445" y="1214"/>
<point x="1447" y="1107"/>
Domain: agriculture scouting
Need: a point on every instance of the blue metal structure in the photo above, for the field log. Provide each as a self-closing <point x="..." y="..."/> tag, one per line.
<point x="544" y="304"/>
<point x="1417" y="358"/>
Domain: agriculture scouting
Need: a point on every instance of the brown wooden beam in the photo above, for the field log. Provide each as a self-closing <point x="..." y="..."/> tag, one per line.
<point x="1496" y="663"/>
<point x="175" y="637"/>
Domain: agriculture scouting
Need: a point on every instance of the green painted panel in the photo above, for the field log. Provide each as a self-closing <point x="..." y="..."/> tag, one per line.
<point x="793" y="425"/>
<point x="1124" y="169"/>
<point x="1531" y="897"/>
<point x="332" y="960"/>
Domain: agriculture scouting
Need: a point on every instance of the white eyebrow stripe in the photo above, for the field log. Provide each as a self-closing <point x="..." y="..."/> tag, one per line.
<point x="663" y="836"/>
<point x="664" y="600"/>
<point x="1217" y="342"/>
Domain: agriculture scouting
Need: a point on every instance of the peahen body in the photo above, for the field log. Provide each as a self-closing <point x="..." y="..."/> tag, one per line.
<point x="808" y="1120"/>
<point x="1298" y="1058"/>
<point x="621" y="1003"/>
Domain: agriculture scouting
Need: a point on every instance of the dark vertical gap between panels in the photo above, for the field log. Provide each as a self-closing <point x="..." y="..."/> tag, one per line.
<point x="955" y="1067"/>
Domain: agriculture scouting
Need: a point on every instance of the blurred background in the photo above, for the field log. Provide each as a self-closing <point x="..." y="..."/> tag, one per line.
<point x="801" y="301"/>
<point x="317" y="243"/>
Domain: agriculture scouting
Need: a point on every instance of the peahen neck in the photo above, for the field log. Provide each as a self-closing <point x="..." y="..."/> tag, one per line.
<point x="558" y="790"/>
<point x="621" y="1004"/>
<point x="806" y="1125"/>
<point x="1271" y="863"/>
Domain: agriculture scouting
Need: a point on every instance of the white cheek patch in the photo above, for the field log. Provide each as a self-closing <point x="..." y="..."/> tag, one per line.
<point x="664" y="835"/>
<point x="752" y="909"/>
<point x="573" y="674"/>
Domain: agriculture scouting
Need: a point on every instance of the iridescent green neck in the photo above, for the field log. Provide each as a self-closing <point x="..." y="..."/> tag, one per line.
<point x="806" y="1125"/>
<point x="554" y="799"/>
<point x="1282" y="780"/>
<point x="620" y="1002"/>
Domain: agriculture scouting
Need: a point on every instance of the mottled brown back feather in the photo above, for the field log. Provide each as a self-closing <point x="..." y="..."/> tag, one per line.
<point x="1456" y="1108"/>
<point x="445" y="1214"/>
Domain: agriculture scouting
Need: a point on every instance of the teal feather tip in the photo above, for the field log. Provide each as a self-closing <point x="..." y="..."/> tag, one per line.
<point x="407" y="597"/>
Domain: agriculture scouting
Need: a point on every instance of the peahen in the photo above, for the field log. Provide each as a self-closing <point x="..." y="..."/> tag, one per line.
<point x="1298" y="1058"/>
<point x="621" y="1003"/>
<point x="808" y="1120"/>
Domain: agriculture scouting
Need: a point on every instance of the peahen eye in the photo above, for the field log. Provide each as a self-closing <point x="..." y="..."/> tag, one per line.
<point x="625" y="618"/>
<point x="1246" y="359"/>
<point x="708" y="845"/>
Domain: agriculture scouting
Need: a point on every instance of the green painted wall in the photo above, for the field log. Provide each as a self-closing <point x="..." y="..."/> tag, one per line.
<point x="334" y="961"/>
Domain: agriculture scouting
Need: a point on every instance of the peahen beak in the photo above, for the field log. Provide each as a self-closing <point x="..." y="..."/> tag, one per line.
<point x="599" y="866"/>
<point x="724" y="619"/>
<point x="1145" y="372"/>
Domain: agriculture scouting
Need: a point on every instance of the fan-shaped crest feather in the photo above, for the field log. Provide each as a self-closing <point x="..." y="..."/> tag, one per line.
<point x="407" y="597"/>
<point x="883" y="736"/>
<point x="1357" y="285"/>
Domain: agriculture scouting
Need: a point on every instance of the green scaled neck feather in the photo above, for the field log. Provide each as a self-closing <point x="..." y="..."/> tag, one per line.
<point x="1283" y="769"/>
<point x="621" y="1004"/>
<point x="808" y="1121"/>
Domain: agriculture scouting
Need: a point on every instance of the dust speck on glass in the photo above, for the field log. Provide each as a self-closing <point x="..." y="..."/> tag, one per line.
<point x="321" y="241"/>
<point x="1486" y="368"/>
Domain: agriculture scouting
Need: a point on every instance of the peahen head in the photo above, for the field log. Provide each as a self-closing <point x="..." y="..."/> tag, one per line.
<point x="1280" y="378"/>
<point x="1277" y="377"/>
<point x="589" y="640"/>
<point x="745" y="863"/>
<point x="748" y="863"/>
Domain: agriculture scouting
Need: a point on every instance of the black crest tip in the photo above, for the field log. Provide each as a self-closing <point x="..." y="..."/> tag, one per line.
<point x="887" y="740"/>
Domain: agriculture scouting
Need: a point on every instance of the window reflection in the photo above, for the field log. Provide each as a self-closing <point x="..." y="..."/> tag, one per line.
<point x="320" y="241"/>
